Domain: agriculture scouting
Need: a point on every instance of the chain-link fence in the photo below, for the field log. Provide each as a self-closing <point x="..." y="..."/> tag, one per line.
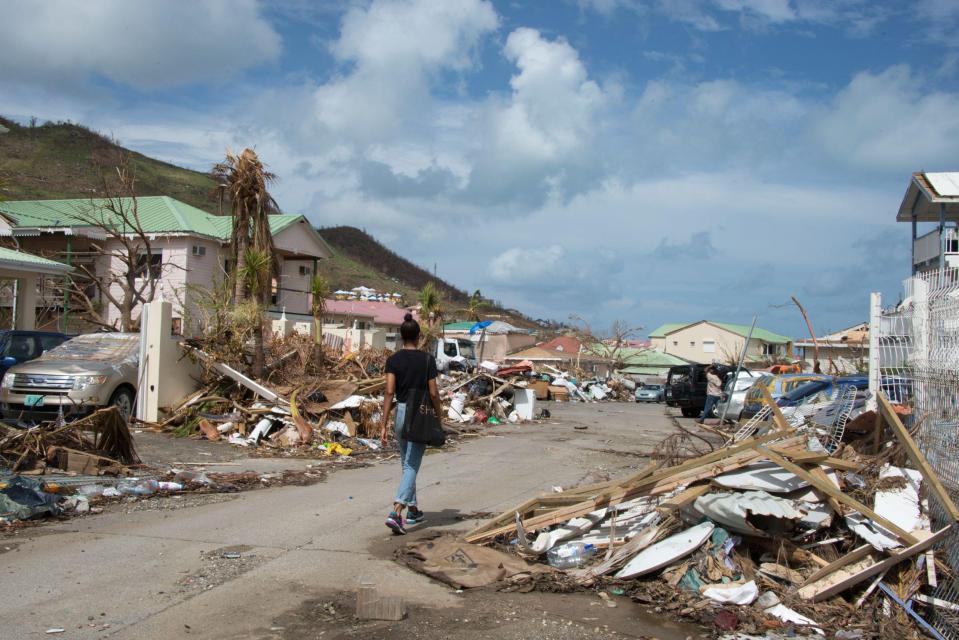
<point x="916" y="351"/>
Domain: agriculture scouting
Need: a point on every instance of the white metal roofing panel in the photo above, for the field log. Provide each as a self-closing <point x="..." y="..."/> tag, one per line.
<point x="945" y="184"/>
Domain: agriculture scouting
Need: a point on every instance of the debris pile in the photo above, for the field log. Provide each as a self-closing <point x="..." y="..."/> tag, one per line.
<point x="774" y="532"/>
<point x="98" y="444"/>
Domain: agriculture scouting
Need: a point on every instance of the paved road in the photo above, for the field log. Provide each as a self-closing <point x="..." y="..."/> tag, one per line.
<point x="159" y="574"/>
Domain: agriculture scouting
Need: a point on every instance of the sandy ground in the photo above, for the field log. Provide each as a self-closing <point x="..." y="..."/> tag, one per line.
<point x="284" y="562"/>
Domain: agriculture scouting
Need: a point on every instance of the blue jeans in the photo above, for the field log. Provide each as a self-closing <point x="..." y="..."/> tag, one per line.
<point x="411" y="455"/>
<point x="711" y="402"/>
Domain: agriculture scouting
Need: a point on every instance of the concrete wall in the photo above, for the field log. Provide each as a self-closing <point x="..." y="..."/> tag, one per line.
<point x="166" y="376"/>
<point x="357" y="339"/>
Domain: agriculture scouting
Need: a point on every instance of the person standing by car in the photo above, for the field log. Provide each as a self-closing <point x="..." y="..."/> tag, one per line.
<point x="407" y="369"/>
<point x="714" y="393"/>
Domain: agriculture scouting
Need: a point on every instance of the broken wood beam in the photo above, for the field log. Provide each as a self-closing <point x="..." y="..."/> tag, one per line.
<point x="830" y="489"/>
<point x="915" y="455"/>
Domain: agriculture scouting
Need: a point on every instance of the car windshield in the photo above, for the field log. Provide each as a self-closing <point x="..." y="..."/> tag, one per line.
<point x="806" y="389"/>
<point x="467" y="350"/>
<point x="109" y="347"/>
<point x="653" y="387"/>
<point x="675" y="377"/>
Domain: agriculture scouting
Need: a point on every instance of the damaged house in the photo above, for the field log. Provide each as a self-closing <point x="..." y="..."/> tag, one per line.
<point x="188" y="250"/>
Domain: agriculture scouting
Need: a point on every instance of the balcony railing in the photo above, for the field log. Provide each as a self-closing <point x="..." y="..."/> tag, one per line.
<point x="926" y="248"/>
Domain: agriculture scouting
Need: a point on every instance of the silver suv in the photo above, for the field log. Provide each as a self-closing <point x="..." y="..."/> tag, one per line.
<point x="82" y="374"/>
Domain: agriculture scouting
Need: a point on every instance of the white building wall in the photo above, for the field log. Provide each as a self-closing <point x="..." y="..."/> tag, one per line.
<point x="294" y="286"/>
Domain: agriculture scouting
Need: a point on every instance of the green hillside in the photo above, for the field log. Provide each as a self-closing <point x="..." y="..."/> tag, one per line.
<point x="64" y="160"/>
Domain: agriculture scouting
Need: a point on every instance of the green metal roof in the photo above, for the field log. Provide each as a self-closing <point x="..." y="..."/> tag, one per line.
<point x="758" y="333"/>
<point x="740" y="329"/>
<point x="666" y="328"/>
<point x="157" y="214"/>
<point x="458" y="326"/>
<point x="643" y="371"/>
<point x="15" y="258"/>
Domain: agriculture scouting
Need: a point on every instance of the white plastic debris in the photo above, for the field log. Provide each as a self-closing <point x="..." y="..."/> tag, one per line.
<point x="732" y="593"/>
<point x="337" y="427"/>
<point x="353" y="402"/>
<point x="769" y="603"/>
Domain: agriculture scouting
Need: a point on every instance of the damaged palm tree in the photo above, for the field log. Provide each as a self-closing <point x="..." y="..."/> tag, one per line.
<point x="245" y="180"/>
<point x="431" y="310"/>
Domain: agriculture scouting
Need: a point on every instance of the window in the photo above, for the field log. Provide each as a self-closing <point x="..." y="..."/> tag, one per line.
<point x="709" y="346"/>
<point x="675" y="343"/>
<point x="450" y="349"/>
<point x="22" y="348"/>
<point x="199" y="250"/>
<point x="692" y="343"/>
<point x="149" y="265"/>
<point x="49" y="342"/>
<point x="304" y="270"/>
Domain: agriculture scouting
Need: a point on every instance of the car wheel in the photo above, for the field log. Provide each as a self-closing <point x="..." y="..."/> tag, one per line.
<point x="688" y="412"/>
<point x="122" y="399"/>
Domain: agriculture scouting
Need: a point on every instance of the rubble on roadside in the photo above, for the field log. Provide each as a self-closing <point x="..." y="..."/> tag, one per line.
<point x="773" y="533"/>
<point x="100" y="443"/>
<point x="335" y="409"/>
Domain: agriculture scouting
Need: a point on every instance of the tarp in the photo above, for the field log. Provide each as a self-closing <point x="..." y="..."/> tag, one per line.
<point x="463" y="565"/>
<point x="23" y="498"/>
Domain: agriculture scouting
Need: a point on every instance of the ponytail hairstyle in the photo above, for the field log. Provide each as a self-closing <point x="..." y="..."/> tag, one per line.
<point x="410" y="329"/>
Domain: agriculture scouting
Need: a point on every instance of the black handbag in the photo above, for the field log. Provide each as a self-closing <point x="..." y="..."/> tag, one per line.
<point x="421" y="424"/>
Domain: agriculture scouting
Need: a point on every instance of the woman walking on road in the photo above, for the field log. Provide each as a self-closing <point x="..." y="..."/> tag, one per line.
<point x="407" y="369"/>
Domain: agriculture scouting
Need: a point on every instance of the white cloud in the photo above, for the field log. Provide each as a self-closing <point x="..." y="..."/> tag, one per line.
<point x="891" y="121"/>
<point x="553" y="102"/>
<point x="396" y="49"/>
<point x="146" y="45"/>
<point x="525" y="266"/>
<point x="776" y="11"/>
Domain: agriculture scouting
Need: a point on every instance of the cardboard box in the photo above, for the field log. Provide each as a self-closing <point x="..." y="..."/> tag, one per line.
<point x="559" y="394"/>
<point x="540" y="388"/>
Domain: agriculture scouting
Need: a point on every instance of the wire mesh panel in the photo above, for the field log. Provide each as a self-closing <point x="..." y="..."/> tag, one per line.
<point x="918" y="346"/>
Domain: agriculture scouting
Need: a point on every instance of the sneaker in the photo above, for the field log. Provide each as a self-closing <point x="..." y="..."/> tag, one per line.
<point x="395" y="522"/>
<point x="414" y="516"/>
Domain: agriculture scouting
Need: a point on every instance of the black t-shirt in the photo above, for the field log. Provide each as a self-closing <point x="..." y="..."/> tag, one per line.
<point x="412" y="368"/>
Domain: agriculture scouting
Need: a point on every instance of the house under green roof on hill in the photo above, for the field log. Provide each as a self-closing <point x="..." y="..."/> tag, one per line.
<point x="707" y="341"/>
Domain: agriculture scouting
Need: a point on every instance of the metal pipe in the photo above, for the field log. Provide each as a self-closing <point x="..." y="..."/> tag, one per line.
<point x="739" y="366"/>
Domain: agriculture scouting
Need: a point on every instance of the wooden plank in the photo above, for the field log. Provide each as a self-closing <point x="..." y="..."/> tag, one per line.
<point x="778" y="416"/>
<point x="856" y="554"/>
<point x="915" y="455"/>
<point x="831" y="501"/>
<point x="830" y="489"/>
<point x="801" y="454"/>
<point x="842" y="465"/>
<point x="679" y="501"/>
<point x="649" y="487"/>
<point x="730" y="458"/>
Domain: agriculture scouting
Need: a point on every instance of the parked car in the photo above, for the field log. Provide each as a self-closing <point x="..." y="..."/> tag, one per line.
<point x="82" y="374"/>
<point x="801" y="394"/>
<point x="734" y="394"/>
<point x="686" y="387"/>
<point x="778" y="385"/>
<point x="17" y="347"/>
<point x="650" y="393"/>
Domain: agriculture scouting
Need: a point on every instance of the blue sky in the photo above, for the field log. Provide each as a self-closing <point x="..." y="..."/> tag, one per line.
<point x="642" y="160"/>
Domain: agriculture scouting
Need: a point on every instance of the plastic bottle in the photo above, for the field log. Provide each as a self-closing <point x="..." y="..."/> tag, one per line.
<point x="570" y="555"/>
<point x="138" y="486"/>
